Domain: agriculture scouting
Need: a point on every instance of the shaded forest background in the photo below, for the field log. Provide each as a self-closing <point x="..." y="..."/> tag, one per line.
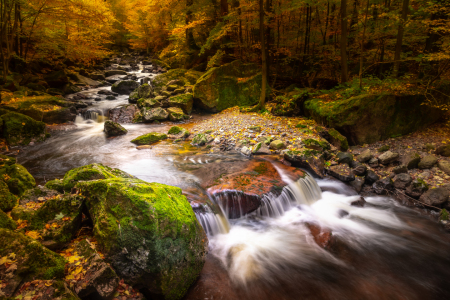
<point x="360" y="44"/>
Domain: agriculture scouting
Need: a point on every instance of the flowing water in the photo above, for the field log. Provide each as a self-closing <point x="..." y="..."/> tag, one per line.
<point x="308" y="242"/>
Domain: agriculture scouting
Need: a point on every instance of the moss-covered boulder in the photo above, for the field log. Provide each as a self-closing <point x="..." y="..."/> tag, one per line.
<point x="48" y="109"/>
<point x="7" y="199"/>
<point x="56" y="184"/>
<point x="19" y="129"/>
<point x="33" y="261"/>
<point x="57" y="79"/>
<point x="310" y="159"/>
<point x="187" y="77"/>
<point x="176" y="114"/>
<point x="233" y="84"/>
<point x="290" y="104"/>
<point x="91" y="172"/>
<point x="201" y="139"/>
<point x="124" y="87"/>
<point x="56" y="220"/>
<point x="176" y="132"/>
<point x="149" y="103"/>
<point x="6" y="222"/>
<point x="372" y="117"/>
<point x="16" y="177"/>
<point x="314" y="144"/>
<point x="114" y="129"/>
<point x="144" y="91"/>
<point x="183" y="101"/>
<point x="148" y="232"/>
<point x="153" y="114"/>
<point x="149" y="138"/>
<point x="337" y="139"/>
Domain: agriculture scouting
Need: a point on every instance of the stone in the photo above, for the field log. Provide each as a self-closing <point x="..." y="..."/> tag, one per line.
<point x="444" y="166"/>
<point x="344" y="158"/>
<point x="373" y="162"/>
<point x="337" y="139"/>
<point x="125" y="114"/>
<point x="89" y="81"/>
<point x="367" y="118"/>
<point x="183" y="101"/>
<point x="360" y="202"/>
<point x="290" y="104"/>
<point x="7" y="199"/>
<point x="148" y="103"/>
<point x="115" y="72"/>
<point x="371" y="177"/>
<point x="202" y="139"/>
<point x="144" y="91"/>
<point x="400" y="169"/>
<point x="443" y="150"/>
<point x="314" y="144"/>
<point x="384" y="148"/>
<point x="435" y="197"/>
<point x="57" y="79"/>
<point x="357" y="184"/>
<point x="148" y="232"/>
<point x="246" y="151"/>
<point x="402" y="180"/>
<point x="388" y="157"/>
<point x="365" y="156"/>
<point x="6" y="222"/>
<point x="114" y="129"/>
<point x="153" y="114"/>
<point x="341" y="172"/>
<point x="124" y="87"/>
<point x="187" y="77"/>
<point x="261" y="149"/>
<point x="176" y="114"/>
<point x="360" y="170"/>
<point x="98" y="77"/>
<point x="110" y="98"/>
<point x="177" y="82"/>
<point x="38" y="194"/>
<point x="17" y="180"/>
<point x="428" y="162"/>
<point x="149" y="138"/>
<point x="221" y="87"/>
<point x="383" y="186"/>
<point x="416" y="188"/>
<point x="306" y="158"/>
<point x="277" y="145"/>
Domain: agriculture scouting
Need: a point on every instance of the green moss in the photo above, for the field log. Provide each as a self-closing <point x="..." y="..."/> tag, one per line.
<point x="256" y="148"/>
<point x="6" y="222"/>
<point x="176" y="114"/>
<point x="183" y="101"/>
<point x="56" y="185"/>
<point x="384" y="148"/>
<point x="200" y="139"/>
<point x="17" y="179"/>
<point x="19" y="129"/>
<point x="321" y="144"/>
<point x="7" y="199"/>
<point x="340" y="140"/>
<point x="175" y="130"/>
<point x="149" y="138"/>
<point x="301" y="126"/>
<point x="261" y="168"/>
<point x="444" y="215"/>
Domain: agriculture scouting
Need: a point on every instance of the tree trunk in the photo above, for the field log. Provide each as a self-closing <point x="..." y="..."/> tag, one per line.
<point x="401" y="30"/>
<point x="262" y="98"/>
<point x="361" y="60"/>
<point x="344" y="37"/>
<point x="190" y="41"/>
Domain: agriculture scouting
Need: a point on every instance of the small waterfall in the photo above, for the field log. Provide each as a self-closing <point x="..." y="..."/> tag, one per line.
<point x="236" y="204"/>
<point x="95" y="115"/>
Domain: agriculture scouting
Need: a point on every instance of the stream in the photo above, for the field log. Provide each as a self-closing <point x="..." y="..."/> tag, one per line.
<point x="378" y="251"/>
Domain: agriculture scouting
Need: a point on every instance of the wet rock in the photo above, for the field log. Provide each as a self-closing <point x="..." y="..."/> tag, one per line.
<point x="383" y="186"/>
<point x="428" y="162"/>
<point x="125" y="87"/>
<point x="110" y="98"/>
<point x="360" y="170"/>
<point x="176" y="114"/>
<point x="388" y="157"/>
<point x="176" y="132"/>
<point x="322" y="236"/>
<point x="149" y="138"/>
<point x="277" y="145"/>
<point x="153" y="114"/>
<point x="365" y="156"/>
<point x="307" y="158"/>
<point x="360" y="202"/>
<point x="125" y="114"/>
<point x="357" y="184"/>
<point x="144" y="147"/>
<point x="246" y="151"/>
<point x="341" y="172"/>
<point x="164" y="236"/>
<point x="115" y="72"/>
<point x="402" y="180"/>
<point x="373" y="162"/>
<point x="444" y="166"/>
<point x="443" y="150"/>
<point x="201" y="139"/>
<point x="416" y="188"/>
<point x="401" y="169"/>
<point x="371" y="177"/>
<point x="344" y="158"/>
<point x="435" y="197"/>
<point x="114" y="129"/>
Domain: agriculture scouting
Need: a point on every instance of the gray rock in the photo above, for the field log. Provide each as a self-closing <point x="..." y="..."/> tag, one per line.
<point x="246" y="151"/>
<point x="435" y="197"/>
<point x="344" y="158"/>
<point x="360" y="170"/>
<point x="428" y="162"/>
<point x="388" y="157"/>
<point x="424" y="175"/>
<point x="402" y="180"/>
<point x="443" y="150"/>
<point x="410" y="160"/>
<point x="383" y="186"/>
<point x="371" y="177"/>
<point x="400" y="169"/>
<point x="444" y="166"/>
<point x="124" y="87"/>
<point x="364" y="156"/>
<point x="114" y="129"/>
<point x="416" y="188"/>
<point x="341" y="172"/>
<point x="359" y="203"/>
<point x="157" y="113"/>
<point x="373" y="162"/>
<point x="357" y="184"/>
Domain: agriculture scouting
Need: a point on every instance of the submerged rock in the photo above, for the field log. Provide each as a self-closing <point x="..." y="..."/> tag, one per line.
<point x="148" y="232"/>
<point x="114" y="129"/>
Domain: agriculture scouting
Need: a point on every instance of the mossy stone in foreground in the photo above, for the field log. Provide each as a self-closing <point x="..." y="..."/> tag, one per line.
<point x="56" y="185"/>
<point x="176" y="114"/>
<point x="175" y="130"/>
<point x="91" y="172"/>
<point x="183" y="101"/>
<point x="19" y="129"/>
<point x="148" y="232"/>
<point x="6" y="222"/>
<point x="114" y="129"/>
<point x="149" y="138"/>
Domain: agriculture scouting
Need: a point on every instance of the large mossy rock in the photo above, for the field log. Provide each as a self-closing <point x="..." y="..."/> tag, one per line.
<point x="124" y="87"/>
<point x="370" y="118"/>
<point x="233" y="84"/>
<point x="48" y="109"/>
<point x="16" y="177"/>
<point x="188" y="77"/>
<point x="57" y="79"/>
<point x="19" y="129"/>
<point x="148" y="232"/>
<point x="33" y="261"/>
<point x="152" y="114"/>
<point x="7" y="199"/>
<point x="6" y="222"/>
<point x="149" y="138"/>
<point x="183" y="101"/>
<point x="91" y="172"/>
<point x="114" y="129"/>
<point x="56" y="221"/>
<point x="176" y="114"/>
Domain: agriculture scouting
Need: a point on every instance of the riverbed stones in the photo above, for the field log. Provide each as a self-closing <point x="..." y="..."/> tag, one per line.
<point x="444" y="166"/>
<point x="153" y="114"/>
<point x="427" y="162"/>
<point x="388" y="157"/>
<point x="443" y="150"/>
<point x="114" y="129"/>
<point x="400" y="169"/>
<point x="360" y="170"/>
<point x="371" y="177"/>
<point x="383" y="186"/>
<point x="402" y="180"/>
<point x="435" y="197"/>
<point x="373" y="162"/>
<point x="344" y="158"/>
<point x="148" y="232"/>
<point x="416" y="188"/>
<point x="124" y="87"/>
<point x="341" y="172"/>
<point x="125" y="114"/>
<point x="365" y="156"/>
<point x="307" y="158"/>
<point x="149" y="138"/>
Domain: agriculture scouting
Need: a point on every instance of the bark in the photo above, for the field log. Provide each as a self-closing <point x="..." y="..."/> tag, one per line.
<point x="262" y="99"/>
<point x="401" y="30"/>
<point x="344" y="37"/>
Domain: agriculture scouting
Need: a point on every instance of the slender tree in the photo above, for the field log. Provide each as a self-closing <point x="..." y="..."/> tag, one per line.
<point x="344" y="38"/>
<point x="399" y="43"/>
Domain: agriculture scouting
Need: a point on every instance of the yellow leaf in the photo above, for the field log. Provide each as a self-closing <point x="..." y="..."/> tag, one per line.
<point x="74" y="258"/>
<point x="33" y="234"/>
<point x="77" y="271"/>
<point x="23" y="124"/>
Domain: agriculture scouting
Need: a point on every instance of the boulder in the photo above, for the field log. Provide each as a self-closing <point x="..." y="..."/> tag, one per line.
<point x="388" y="157"/>
<point x="99" y="77"/>
<point x="149" y="103"/>
<point x="148" y="233"/>
<point x="57" y="220"/>
<point x="306" y="158"/>
<point x="38" y="194"/>
<point x="89" y="81"/>
<point x="277" y="145"/>
<point x="344" y="158"/>
<point x="371" y="177"/>
<point x="261" y="149"/>
<point x="290" y="104"/>
<point x="360" y="170"/>
<point x="443" y="150"/>
<point x="411" y="160"/>
<point x="357" y="184"/>
<point x="402" y="180"/>
<point x="19" y="129"/>
<point x="341" y="172"/>
<point x="144" y="91"/>
<point x="176" y="114"/>
<point x="7" y="199"/>
<point x="416" y="188"/>
<point x="373" y="162"/>
<point x="15" y="176"/>
<point x="383" y="186"/>
<point x="368" y="118"/>
<point x="153" y="114"/>
<point x="56" y="185"/>
<point x="314" y="144"/>
<point x="435" y="197"/>
<point x="444" y="166"/>
<point x="124" y="87"/>
<point x="188" y="77"/>
<point x="176" y="132"/>
<point x="114" y="129"/>
<point x="400" y="169"/>
<point x="428" y="162"/>
<point x="337" y="139"/>
<point x="57" y="79"/>
<point x="365" y="156"/>
<point x="149" y="138"/>
<point x="6" y="222"/>
<point x="69" y="89"/>
<point x="114" y="72"/>
<point x="222" y="87"/>
<point x="183" y="101"/>
<point x="125" y="114"/>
